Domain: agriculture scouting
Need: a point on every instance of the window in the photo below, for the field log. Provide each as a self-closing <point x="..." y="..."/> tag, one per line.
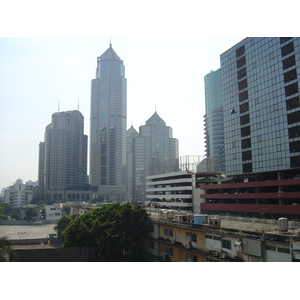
<point x="247" y="168"/>
<point x="292" y="103"/>
<point x="246" y="143"/>
<point x="287" y="49"/>
<point x="294" y="132"/>
<point x="284" y="39"/>
<point x="295" y="161"/>
<point x="283" y="250"/>
<point x="290" y="75"/>
<point x="168" y="250"/>
<point x="244" y="119"/>
<point x="242" y="73"/>
<point x="168" y="231"/>
<point x="245" y="131"/>
<point x="151" y="245"/>
<point x="291" y="89"/>
<point x="247" y="155"/>
<point x="240" y="51"/>
<point x="241" y="62"/>
<point x="244" y="107"/>
<point x="295" y="147"/>
<point x="226" y="244"/>
<point x="288" y="62"/>
<point x="293" y="117"/>
<point x="242" y="84"/>
<point x="271" y="248"/>
<point x="151" y="228"/>
<point x="192" y="237"/>
<point x="243" y="96"/>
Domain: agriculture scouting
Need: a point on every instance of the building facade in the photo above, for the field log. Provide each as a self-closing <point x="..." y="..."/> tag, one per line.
<point x="261" y="108"/>
<point x="178" y="190"/>
<point x="65" y="155"/>
<point x="201" y="239"/>
<point x="260" y="89"/>
<point x="213" y="122"/>
<point x="108" y="127"/>
<point x="154" y="151"/>
<point x="18" y="194"/>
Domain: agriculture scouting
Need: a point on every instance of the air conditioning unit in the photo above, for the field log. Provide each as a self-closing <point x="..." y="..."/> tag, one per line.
<point x="187" y="246"/>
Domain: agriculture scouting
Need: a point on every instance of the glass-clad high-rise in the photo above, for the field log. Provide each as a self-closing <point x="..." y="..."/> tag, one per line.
<point x="214" y="122"/>
<point x="154" y="151"/>
<point x="108" y="127"/>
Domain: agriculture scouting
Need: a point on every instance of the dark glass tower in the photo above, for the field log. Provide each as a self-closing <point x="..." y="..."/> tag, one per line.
<point x="108" y="127"/>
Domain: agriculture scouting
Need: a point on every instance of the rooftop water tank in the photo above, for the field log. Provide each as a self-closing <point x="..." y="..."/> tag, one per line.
<point x="283" y="224"/>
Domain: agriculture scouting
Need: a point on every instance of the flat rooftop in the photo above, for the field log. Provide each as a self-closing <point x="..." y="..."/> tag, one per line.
<point x="16" y="232"/>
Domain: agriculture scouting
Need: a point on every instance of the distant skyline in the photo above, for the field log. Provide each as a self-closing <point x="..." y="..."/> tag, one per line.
<point x="38" y="76"/>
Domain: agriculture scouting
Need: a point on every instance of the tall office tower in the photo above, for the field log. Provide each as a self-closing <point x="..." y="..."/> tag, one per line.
<point x="65" y="155"/>
<point x="41" y="163"/>
<point x="260" y="86"/>
<point x="108" y="127"/>
<point x="132" y="134"/>
<point x="214" y="123"/>
<point x="155" y="151"/>
<point x="260" y="91"/>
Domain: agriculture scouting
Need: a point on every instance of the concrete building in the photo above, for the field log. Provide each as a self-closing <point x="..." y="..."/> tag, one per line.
<point x="63" y="156"/>
<point x="108" y="127"/>
<point x="178" y="190"/>
<point x="153" y="151"/>
<point x="261" y="110"/>
<point x="18" y="194"/>
<point x="53" y="212"/>
<point x="213" y="122"/>
<point x="203" y="239"/>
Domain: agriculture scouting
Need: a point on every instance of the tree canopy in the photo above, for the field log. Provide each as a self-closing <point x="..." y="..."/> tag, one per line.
<point x="61" y="224"/>
<point x="109" y="229"/>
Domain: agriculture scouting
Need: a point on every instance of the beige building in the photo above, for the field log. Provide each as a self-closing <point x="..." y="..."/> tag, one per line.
<point x="203" y="238"/>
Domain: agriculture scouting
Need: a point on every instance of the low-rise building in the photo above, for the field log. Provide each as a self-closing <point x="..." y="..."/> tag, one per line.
<point x="18" y="194"/>
<point x="53" y="212"/>
<point x="204" y="238"/>
<point x="178" y="190"/>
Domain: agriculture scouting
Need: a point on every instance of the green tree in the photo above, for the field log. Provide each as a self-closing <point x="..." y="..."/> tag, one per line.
<point x="6" y="253"/>
<point x="30" y="214"/>
<point x="61" y="224"/>
<point x="109" y="229"/>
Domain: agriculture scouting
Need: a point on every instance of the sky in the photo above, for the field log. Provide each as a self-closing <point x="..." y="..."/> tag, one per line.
<point x="48" y="57"/>
<point x="39" y="76"/>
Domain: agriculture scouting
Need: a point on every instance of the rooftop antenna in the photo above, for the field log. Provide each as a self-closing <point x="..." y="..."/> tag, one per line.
<point x="78" y="105"/>
<point x="155" y="107"/>
<point x="110" y="42"/>
<point x="58" y="106"/>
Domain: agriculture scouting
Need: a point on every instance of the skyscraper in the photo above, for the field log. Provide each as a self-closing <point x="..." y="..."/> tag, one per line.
<point x="155" y="151"/>
<point x="63" y="155"/>
<point x="260" y="85"/>
<point x="214" y="123"/>
<point x="261" y="109"/>
<point x="108" y="127"/>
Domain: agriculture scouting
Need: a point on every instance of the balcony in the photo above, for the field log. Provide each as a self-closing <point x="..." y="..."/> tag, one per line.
<point x="252" y="208"/>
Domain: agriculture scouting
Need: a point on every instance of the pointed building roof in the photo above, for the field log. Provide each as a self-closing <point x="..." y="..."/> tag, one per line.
<point x="132" y="131"/>
<point x="110" y="54"/>
<point x="155" y="118"/>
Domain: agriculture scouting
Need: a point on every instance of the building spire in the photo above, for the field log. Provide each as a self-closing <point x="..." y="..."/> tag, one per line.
<point x="110" y="43"/>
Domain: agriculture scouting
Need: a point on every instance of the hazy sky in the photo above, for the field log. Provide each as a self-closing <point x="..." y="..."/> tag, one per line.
<point x="167" y="48"/>
<point x="38" y="74"/>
